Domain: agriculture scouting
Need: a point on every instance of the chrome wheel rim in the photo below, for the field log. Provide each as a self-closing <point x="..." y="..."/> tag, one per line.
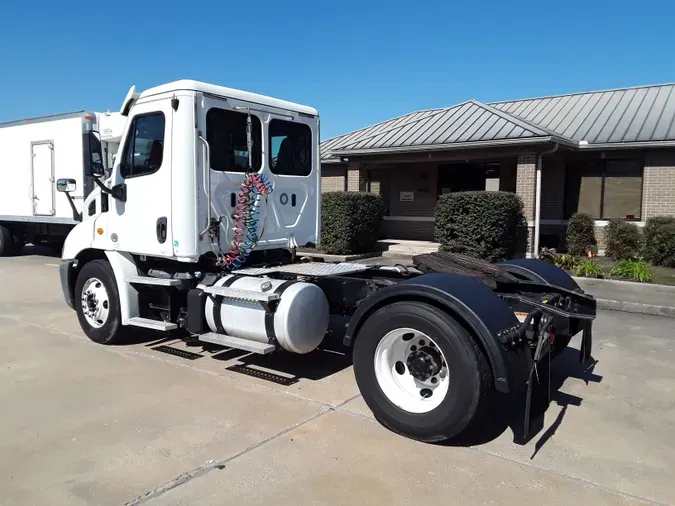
<point x="411" y="370"/>
<point x="95" y="302"/>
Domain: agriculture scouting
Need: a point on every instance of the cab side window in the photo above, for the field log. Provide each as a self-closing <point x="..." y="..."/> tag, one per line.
<point x="290" y="148"/>
<point x="226" y="135"/>
<point x="144" y="150"/>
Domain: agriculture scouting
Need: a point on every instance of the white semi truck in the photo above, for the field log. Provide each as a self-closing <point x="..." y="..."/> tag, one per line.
<point x="34" y="153"/>
<point x="195" y="233"/>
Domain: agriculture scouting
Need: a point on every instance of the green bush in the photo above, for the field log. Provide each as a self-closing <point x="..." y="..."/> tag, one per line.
<point x="637" y="270"/>
<point x="623" y="240"/>
<point x="482" y="224"/>
<point x="659" y="241"/>
<point x="564" y="261"/>
<point x="580" y="234"/>
<point x="350" y="222"/>
<point x="589" y="269"/>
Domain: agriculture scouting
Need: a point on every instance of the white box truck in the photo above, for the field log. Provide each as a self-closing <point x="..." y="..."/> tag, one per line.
<point x="195" y="231"/>
<point x="34" y="153"/>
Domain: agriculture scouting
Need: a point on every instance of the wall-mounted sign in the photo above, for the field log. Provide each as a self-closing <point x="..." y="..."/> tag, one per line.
<point x="407" y="196"/>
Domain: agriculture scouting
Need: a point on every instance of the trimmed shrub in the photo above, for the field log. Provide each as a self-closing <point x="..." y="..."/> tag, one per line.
<point x="623" y="240"/>
<point x="637" y="270"/>
<point x="589" y="269"/>
<point x="581" y="234"/>
<point x="659" y="240"/>
<point x="562" y="260"/>
<point x="350" y="222"/>
<point x="481" y="224"/>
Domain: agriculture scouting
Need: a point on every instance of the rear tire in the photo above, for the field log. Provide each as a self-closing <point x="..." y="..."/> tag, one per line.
<point x="6" y="242"/>
<point x="97" y="303"/>
<point x="395" y="392"/>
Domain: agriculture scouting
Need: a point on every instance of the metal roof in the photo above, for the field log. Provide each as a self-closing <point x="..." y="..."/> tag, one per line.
<point x="624" y="117"/>
<point x="643" y="114"/>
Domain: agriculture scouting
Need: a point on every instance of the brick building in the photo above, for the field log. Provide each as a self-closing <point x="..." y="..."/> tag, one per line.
<point x="607" y="153"/>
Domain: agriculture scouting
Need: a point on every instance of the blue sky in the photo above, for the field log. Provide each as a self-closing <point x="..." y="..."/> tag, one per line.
<point x="358" y="62"/>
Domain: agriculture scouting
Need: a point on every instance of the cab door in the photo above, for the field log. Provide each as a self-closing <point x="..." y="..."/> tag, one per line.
<point x="142" y="223"/>
<point x="225" y="125"/>
<point x="291" y="162"/>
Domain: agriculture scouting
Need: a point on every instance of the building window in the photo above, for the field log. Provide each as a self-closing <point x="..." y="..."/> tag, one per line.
<point x="605" y="189"/>
<point x="290" y="148"/>
<point x="474" y="176"/>
<point x="145" y="146"/>
<point x="226" y="135"/>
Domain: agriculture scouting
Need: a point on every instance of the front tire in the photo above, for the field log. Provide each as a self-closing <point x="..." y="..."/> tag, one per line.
<point x="420" y="372"/>
<point x="97" y="303"/>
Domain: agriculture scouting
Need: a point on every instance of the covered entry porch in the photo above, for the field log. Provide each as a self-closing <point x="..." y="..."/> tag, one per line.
<point x="411" y="185"/>
<point x="607" y="185"/>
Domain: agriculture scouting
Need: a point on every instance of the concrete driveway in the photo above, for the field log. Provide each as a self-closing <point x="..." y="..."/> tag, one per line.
<point x="156" y="422"/>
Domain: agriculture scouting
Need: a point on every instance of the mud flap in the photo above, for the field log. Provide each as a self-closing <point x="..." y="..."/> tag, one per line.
<point x="537" y="394"/>
<point x="586" y="342"/>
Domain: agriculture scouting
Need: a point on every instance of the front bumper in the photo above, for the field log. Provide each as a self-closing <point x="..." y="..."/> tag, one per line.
<point x="67" y="277"/>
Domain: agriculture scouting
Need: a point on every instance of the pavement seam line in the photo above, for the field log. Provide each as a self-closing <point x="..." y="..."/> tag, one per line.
<point x="187" y="477"/>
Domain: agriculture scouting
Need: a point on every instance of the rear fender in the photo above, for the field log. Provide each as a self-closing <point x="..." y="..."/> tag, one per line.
<point x="539" y="271"/>
<point x="472" y="303"/>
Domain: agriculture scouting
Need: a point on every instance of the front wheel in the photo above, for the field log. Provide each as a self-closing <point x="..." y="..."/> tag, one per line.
<point x="420" y="372"/>
<point x="97" y="302"/>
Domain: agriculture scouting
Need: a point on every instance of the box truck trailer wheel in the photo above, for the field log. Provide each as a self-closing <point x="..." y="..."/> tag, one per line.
<point x="6" y="242"/>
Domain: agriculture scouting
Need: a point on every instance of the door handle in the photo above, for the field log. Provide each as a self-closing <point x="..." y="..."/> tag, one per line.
<point x="161" y="230"/>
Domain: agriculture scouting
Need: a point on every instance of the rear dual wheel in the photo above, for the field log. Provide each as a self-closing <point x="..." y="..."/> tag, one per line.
<point x="420" y="372"/>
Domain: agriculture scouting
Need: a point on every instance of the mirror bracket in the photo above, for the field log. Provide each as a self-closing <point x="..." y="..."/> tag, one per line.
<point x="65" y="182"/>
<point x="118" y="192"/>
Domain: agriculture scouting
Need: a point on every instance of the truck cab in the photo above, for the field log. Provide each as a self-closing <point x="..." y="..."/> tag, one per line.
<point x="175" y="184"/>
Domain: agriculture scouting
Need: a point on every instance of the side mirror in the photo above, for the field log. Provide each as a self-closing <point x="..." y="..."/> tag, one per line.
<point x="95" y="167"/>
<point x="66" y="185"/>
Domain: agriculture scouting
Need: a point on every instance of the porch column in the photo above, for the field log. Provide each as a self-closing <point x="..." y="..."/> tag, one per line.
<point x="658" y="190"/>
<point x="356" y="178"/>
<point x="526" y="186"/>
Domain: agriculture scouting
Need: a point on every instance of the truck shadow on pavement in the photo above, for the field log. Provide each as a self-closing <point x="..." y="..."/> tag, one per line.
<point x="282" y="367"/>
<point x="511" y="407"/>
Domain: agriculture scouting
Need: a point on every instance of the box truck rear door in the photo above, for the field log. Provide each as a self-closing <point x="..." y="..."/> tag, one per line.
<point x="43" y="178"/>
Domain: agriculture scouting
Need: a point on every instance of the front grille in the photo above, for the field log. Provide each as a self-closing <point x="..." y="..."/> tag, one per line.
<point x="92" y="208"/>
